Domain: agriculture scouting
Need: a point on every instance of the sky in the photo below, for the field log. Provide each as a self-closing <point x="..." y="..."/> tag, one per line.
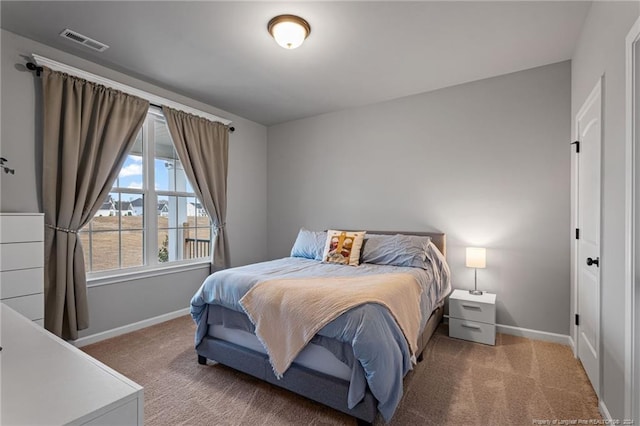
<point x="131" y="176"/>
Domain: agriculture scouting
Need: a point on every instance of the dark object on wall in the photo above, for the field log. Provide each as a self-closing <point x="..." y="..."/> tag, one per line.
<point x="33" y="67"/>
<point x="6" y="168"/>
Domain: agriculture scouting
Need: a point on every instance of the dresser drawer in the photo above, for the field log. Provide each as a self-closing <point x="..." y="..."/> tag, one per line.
<point x="21" y="282"/>
<point x="21" y="228"/>
<point x="474" y="331"/>
<point x="31" y="306"/>
<point x="472" y="310"/>
<point x="21" y="256"/>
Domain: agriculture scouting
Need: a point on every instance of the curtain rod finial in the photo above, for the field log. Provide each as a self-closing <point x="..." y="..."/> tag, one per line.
<point x="33" y="67"/>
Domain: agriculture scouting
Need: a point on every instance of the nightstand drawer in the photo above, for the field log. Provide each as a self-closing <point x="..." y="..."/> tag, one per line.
<point x="474" y="331"/>
<point x="472" y="310"/>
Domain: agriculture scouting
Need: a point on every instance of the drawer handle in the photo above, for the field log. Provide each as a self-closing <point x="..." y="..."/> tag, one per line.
<point x="473" y="327"/>
<point x="477" y="308"/>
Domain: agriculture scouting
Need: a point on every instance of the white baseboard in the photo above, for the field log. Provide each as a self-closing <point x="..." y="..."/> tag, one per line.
<point x="94" y="338"/>
<point x="500" y="328"/>
<point x="605" y="412"/>
<point x="563" y="339"/>
<point x="573" y="346"/>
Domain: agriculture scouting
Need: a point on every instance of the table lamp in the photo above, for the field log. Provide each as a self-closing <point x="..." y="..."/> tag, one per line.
<point x="476" y="258"/>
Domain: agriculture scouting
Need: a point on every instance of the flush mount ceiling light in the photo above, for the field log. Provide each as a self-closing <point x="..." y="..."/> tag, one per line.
<point x="289" y="31"/>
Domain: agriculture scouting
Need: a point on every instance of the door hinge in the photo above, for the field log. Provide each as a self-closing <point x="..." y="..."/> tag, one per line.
<point x="577" y="144"/>
<point x="577" y="319"/>
<point x="577" y="234"/>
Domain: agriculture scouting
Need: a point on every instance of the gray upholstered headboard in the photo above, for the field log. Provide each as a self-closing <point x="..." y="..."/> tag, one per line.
<point x="438" y="238"/>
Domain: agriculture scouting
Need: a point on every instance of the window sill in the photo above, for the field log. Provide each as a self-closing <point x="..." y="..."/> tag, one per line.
<point x="117" y="277"/>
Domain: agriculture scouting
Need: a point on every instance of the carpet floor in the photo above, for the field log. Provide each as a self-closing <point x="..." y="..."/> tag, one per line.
<point x="515" y="382"/>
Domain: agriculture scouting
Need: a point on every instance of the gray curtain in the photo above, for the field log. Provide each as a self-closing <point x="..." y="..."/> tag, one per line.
<point x="203" y="149"/>
<point x="88" y="131"/>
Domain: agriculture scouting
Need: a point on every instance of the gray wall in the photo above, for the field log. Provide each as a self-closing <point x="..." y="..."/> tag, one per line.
<point x="486" y="162"/>
<point x="601" y="51"/>
<point x="120" y="304"/>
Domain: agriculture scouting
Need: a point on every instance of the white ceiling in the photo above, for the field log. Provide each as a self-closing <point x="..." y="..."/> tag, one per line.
<point x="358" y="53"/>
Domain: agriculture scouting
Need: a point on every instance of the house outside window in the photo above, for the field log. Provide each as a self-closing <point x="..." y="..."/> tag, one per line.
<point x="151" y="217"/>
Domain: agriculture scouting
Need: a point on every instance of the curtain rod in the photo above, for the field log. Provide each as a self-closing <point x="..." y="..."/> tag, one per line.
<point x="33" y="67"/>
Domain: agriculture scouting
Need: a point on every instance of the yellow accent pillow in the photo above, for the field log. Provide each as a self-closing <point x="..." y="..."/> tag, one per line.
<point x="343" y="247"/>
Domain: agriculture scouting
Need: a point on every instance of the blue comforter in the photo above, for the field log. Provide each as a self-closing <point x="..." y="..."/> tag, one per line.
<point x="377" y="341"/>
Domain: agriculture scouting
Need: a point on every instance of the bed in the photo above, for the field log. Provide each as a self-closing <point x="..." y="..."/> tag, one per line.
<point x="357" y="361"/>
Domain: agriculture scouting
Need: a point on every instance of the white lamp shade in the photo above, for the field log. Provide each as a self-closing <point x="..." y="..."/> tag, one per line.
<point x="289" y="34"/>
<point x="476" y="257"/>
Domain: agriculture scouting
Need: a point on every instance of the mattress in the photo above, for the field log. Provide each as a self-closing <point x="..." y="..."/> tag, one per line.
<point x="313" y="356"/>
<point x="322" y="354"/>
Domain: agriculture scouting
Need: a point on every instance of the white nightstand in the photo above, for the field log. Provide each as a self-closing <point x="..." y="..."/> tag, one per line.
<point x="473" y="317"/>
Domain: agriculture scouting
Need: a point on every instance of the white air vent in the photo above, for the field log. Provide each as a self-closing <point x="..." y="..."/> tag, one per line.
<point x="83" y="40"/>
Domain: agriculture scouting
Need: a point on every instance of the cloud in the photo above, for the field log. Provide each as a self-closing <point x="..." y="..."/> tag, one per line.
<point x="131" y="170"/>
<point x="135" y="185"/>
<point x="136" y="158"/>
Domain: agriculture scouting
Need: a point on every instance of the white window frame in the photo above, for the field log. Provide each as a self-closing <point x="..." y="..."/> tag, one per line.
<point x="152" y="266"/>
<point x="121" y="275"/>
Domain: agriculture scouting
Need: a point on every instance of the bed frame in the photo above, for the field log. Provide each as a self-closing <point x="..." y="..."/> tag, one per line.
<point x="319" y="387"/>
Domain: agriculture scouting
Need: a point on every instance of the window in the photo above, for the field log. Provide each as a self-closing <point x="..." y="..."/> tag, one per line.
<point x="151" y="216"/>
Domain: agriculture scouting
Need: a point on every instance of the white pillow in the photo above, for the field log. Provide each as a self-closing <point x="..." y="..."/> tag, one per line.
<point x="343" y="247"/>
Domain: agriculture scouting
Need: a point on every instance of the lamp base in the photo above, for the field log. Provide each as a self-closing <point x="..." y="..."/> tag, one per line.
<point x="476" y="292"/>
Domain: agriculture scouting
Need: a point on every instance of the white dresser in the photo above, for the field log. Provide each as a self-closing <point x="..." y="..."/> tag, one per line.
<point x="473" y="317"/>
<point x="22" y="263"/>
<point x="46" y="381"/>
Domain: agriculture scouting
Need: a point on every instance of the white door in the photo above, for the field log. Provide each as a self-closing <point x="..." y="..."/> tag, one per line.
<point x="589" y="133"/>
